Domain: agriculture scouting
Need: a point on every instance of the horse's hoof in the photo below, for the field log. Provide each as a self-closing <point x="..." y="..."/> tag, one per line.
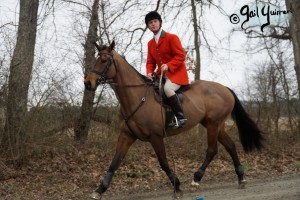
<point x="194" y="186"/>
<point x="242" y="184"/>
<point x="95" y="195"/>
<point x="178" y="194"/>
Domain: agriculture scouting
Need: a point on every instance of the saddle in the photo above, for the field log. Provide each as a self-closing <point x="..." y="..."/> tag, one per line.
<point x="162" y="99"/>
<point x="160" y="96"/>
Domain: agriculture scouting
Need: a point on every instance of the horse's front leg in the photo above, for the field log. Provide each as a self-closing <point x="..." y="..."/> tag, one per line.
<point x="159" y="148"/>
<point x="124" y="142"/>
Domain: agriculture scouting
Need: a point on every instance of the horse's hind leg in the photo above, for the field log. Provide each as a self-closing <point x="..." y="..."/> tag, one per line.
<point x="159" y="148"/>
<point x="212" y="150"/>
<point x="229" y="145"/>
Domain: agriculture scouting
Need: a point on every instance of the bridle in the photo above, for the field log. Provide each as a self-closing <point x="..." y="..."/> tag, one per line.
<point x="103" y="74"/>
<point x="102" y="79"/>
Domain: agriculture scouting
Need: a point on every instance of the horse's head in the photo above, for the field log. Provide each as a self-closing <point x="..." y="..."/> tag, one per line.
<point x="103" y="68"/>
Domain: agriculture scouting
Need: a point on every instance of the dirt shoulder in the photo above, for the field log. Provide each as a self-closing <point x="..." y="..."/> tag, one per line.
<point x="282" y="187"/>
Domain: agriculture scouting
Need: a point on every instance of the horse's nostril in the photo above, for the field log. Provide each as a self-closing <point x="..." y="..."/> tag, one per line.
<point x="88" y="85"/>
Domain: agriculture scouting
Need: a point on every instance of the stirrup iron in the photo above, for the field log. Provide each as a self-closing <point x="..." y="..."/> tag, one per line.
<point x="175" y="124"/>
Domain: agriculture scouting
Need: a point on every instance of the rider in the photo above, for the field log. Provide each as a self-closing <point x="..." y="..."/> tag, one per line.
<point x="166" y="53"/>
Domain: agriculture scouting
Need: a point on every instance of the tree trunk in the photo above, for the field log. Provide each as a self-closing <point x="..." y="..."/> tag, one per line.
<point x="196" y="41"/>
<point x="294" y="5"/>
<point x="83" y="123"/>
<point x="19" y="78"/>
<point x="275" y="105"/>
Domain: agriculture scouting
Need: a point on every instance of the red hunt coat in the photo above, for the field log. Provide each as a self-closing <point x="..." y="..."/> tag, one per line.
<point x="168" y="51"/>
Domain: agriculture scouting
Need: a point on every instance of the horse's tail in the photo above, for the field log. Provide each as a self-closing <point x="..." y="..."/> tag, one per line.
<point x="250" y="135"/>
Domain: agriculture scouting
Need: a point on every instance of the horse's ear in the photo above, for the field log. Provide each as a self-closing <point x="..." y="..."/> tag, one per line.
<point x="97" y="46"/>
<point x="111" y="46"/>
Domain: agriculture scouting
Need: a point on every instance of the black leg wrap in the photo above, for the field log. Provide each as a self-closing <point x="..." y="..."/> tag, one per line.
<point x="171" y="175"/>
<point x="174" y="180"/>
<point x="101" y="189"/>
<point x="198" y="175"/>
<point x="177" y="184"/>
<point x="239" y="170"/>
<point x="105" y="183"/>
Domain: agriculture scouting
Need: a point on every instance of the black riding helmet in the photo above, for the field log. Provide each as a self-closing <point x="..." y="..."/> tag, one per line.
<point x="152" y="15"/>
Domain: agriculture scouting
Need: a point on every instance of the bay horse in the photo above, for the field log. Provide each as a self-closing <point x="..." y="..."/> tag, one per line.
<point x="205" y="102"/>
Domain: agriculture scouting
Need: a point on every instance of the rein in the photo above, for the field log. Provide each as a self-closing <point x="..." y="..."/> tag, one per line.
<point x="163" y="122"/>
<point x="161" y="103"/>
<point x="116" y="84"/>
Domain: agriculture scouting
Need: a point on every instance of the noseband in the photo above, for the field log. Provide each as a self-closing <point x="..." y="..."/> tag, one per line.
<point x="103" y="74"/>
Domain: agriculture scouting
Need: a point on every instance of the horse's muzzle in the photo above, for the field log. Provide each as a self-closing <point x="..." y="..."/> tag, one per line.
<point x="88" y="85"/>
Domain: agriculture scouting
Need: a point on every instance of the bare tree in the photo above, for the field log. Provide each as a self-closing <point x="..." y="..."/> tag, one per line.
<point x="280" y="33"/>
<point x="270" y="89"/>
<point x="83" y="123"/>
<point x="294" y="29"/>
<point x="196" y="41"/>
<point x="294" y="5"/>
<point x="19" y="78"/>
<point x="276" y="40"/>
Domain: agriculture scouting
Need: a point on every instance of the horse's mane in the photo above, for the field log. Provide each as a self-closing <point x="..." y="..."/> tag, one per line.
<point x="144" y="78"/>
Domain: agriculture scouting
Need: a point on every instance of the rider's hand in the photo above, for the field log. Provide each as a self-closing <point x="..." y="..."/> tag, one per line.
<point x="164" y="68"/>
<point x="150" y="76"/>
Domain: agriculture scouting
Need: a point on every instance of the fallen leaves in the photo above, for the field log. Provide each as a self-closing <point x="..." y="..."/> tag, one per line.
<point x="73" y="171"/>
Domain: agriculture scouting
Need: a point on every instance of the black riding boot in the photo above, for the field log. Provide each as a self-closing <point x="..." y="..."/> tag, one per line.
<point x="177" y="110"/>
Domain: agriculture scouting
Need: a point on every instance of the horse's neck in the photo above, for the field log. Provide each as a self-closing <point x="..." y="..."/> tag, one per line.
<point x="129" y="89"/>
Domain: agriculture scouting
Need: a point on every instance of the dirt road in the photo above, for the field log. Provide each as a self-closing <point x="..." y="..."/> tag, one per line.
<point x="283" y="187"/>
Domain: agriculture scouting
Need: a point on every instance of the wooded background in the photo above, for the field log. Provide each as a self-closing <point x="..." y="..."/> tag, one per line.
<point x="56" y="138"/>
<point x="44" y="56"/>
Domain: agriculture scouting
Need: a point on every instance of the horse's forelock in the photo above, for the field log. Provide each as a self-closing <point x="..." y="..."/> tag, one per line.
<point x="103" y="47"/>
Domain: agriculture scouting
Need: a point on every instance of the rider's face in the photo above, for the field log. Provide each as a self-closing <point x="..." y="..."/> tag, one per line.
<point x="154" y="25"/>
